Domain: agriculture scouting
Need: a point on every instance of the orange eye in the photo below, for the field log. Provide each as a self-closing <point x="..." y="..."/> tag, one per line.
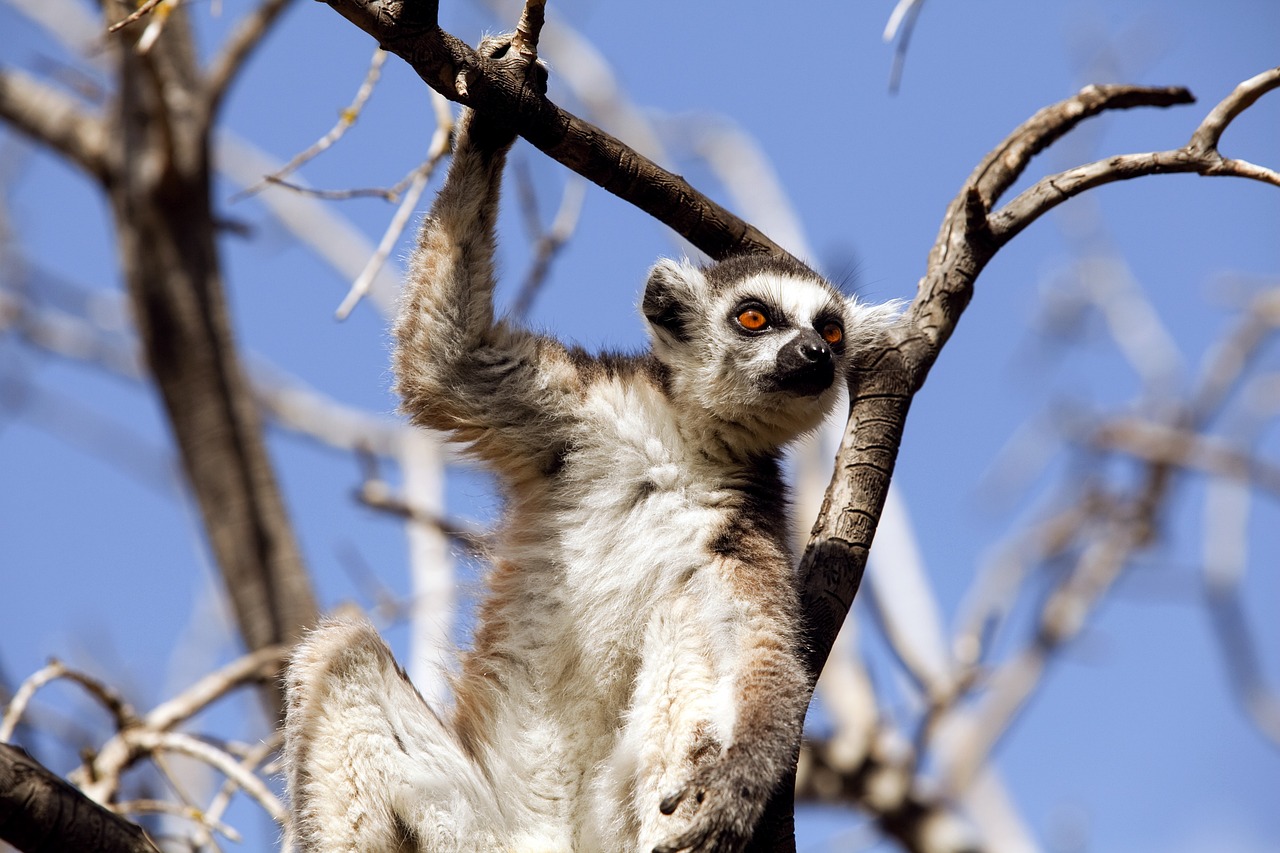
<point x="832" y="333"/>
<point x="753" y="319"/>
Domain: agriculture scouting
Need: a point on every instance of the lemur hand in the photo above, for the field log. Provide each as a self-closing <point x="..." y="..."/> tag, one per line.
<point x="492" y="132"/>
<point x="727" y="798"/>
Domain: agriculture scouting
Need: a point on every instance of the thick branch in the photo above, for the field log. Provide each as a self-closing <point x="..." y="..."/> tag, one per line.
<point x="54" y="119"/>
<point x="41" y="812"/>
<point x="410" y="31"/>
<point x="835" y="558"/>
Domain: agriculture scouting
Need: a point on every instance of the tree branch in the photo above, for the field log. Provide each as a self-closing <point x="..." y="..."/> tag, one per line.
<point x="1200" y="156"/>
<point x="160" y="198"/>
<point x="411" y="31"/>
<point x="54" y="119"/>
<point x="880" y="393"/>
<point x="39" y="811"/>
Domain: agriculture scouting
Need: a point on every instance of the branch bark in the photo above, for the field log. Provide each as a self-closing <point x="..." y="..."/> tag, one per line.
<point x="40" y="812"/>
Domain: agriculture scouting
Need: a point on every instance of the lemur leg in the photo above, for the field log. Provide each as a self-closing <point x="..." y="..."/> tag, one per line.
<point x="370" y="767"/>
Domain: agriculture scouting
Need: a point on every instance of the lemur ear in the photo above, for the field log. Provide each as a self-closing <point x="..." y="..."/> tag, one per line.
<point x="674" y="288"/>
<point x="868" y="323"/>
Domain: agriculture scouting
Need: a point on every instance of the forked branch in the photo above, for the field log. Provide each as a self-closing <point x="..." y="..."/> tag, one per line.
<point x="412" y="32"/>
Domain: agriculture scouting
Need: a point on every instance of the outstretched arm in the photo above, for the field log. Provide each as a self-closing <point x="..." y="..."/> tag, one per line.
<point x="502" y="389"/>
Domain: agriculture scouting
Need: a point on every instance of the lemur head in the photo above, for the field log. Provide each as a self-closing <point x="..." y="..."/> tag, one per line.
<point x="759" y="344"/>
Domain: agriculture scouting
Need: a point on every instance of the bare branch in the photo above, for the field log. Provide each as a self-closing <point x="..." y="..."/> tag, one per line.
<point x="100" y="776"/>
<point x="1206" y="137"/>
<point x="375" y="494"/>
<point x="255" y="667"/>
<point x="1166" y="445"/>
<point x="147" y="740"/>
<point x="346" y="119"/>
<point x="901" y="25"/>
<point x="547" y="242"/>
<point x="250" y="762"/>
<point x="136" y="15"/>
<point x="54" y="119"/>
<point x="333" y="238"/>
<point x="165" y="807"/>
<point x="1199" y="156"/>
<point x="108" y="696"/>
<point x="441" y="143"/>
<point x="1226" y="522"/>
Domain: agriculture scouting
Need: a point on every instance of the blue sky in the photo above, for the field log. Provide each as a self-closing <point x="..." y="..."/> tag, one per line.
<point x="1135" y="735"/>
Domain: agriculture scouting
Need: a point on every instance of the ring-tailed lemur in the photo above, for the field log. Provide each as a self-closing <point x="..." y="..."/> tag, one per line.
<point x="634" y="682"/>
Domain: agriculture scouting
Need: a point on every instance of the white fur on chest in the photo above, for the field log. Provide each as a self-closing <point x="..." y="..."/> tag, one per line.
<point x="614" y="560"/>
<point x="642" y="508"/>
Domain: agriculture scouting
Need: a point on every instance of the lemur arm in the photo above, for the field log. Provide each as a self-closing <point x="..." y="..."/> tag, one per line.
<point x="498" y="387"/>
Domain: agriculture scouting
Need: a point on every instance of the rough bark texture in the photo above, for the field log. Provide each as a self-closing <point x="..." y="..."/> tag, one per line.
<point x="40" y="813"/>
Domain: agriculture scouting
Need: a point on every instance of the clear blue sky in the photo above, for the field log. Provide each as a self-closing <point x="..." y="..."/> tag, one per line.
<point x="1135" y="733"/>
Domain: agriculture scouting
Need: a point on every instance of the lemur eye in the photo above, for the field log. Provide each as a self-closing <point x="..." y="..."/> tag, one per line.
<point x="832" y="333"/>
<point x="753" y="319"/>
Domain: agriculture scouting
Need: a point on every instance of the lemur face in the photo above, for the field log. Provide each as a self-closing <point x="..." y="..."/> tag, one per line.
<point x="759" y="342"/>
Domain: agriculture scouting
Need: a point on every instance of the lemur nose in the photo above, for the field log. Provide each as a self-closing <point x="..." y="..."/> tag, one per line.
<point x="814" y="351"/>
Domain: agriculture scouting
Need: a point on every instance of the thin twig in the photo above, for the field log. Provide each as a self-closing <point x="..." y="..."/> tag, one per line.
<point x="142" y="10"/>
<point x="146" y="741"/>
<point x="902" y="23"/>
<point x="159" y="16"/>
<point x="122" y="713"/>
<point x="392" y="193"/>
<point x="375" y="494"/>
<point x="1226" y="524"/>
<point x="1207" y="135"/>
<point x="23" y="695"/>
<point x="99" y="776"/>
<point x="201" y="819"/>
<point x="441" y="143"/>
<point x="251" y="763"/>
<point x="346" y="119"/>
<point x="548" y="244"/>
